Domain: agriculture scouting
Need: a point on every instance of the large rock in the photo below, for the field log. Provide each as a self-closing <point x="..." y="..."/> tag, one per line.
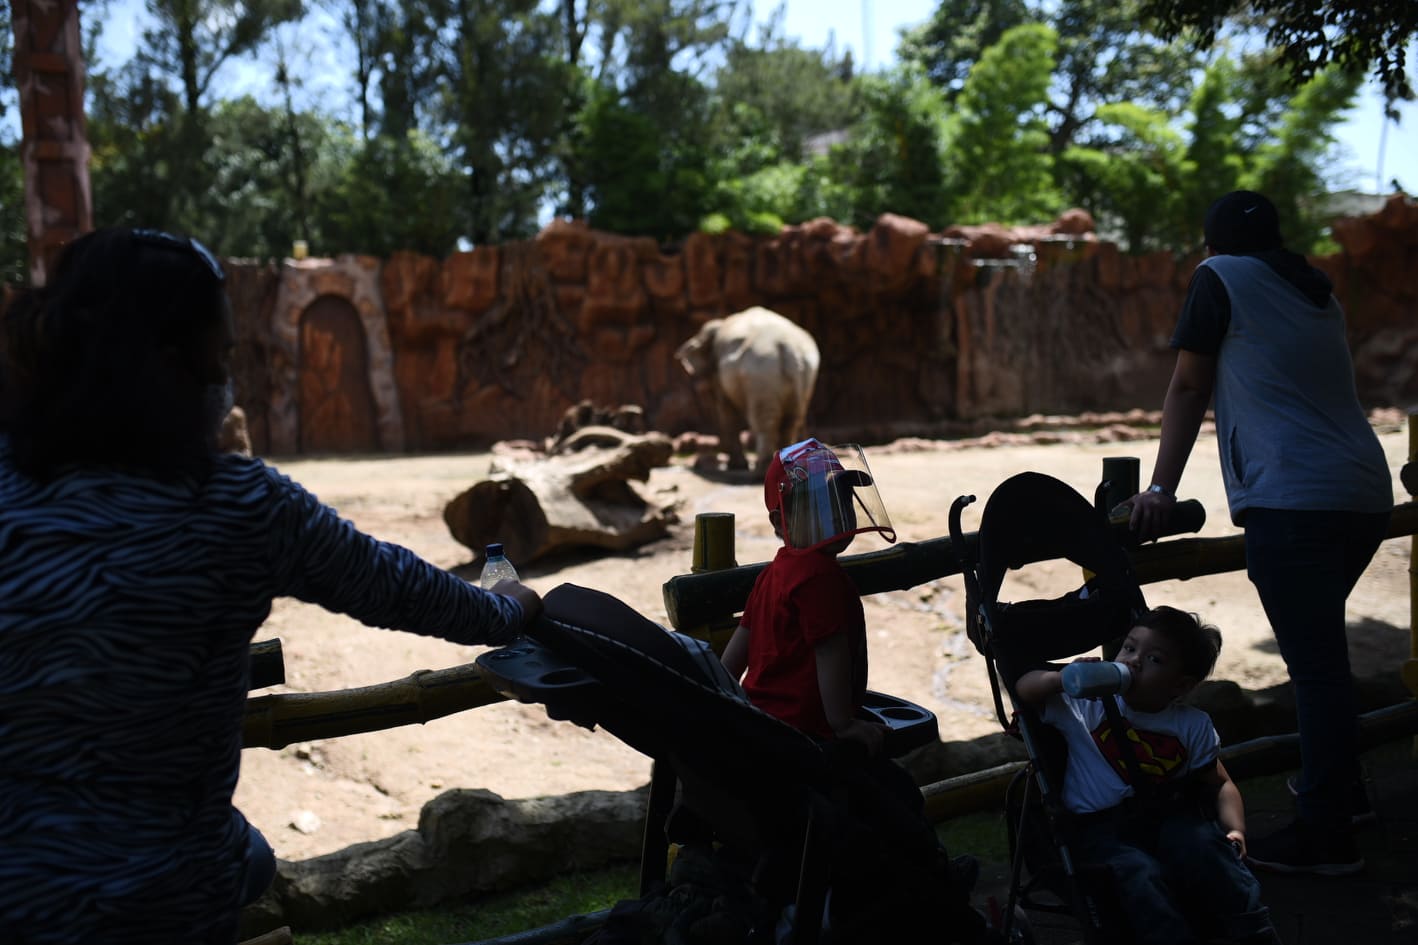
<point x="468" y="843"/>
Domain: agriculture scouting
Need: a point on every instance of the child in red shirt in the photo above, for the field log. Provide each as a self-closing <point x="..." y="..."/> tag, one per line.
<point x="801" y="648"/>
<point x="802" y="637"/>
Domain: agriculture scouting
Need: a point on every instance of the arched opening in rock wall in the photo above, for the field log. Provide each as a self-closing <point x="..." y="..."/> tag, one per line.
<point x="337" y="410"/>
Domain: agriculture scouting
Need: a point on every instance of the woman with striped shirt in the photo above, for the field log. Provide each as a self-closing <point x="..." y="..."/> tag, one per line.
<point x="136" y="563"/>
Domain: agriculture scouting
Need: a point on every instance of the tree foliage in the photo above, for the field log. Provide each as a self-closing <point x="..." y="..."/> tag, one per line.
<point x="469" y="121"/>
<point x="949" y="44"/>
<point x="1152" y="182"/>
<point x="1000" y="164"/>
<point x="1310" y="35"/>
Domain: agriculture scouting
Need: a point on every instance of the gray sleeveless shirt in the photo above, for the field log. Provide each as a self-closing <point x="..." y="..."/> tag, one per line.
<point x="1291" y="430"/>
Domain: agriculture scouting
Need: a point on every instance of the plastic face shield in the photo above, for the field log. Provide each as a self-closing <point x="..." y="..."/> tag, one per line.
<point x="827" y="495"/>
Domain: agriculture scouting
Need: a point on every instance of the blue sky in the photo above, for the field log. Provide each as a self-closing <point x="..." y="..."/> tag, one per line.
<point x="869" y="28"/>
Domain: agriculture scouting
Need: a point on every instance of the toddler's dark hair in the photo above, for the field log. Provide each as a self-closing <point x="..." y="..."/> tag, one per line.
<point x="1199" y="643"/>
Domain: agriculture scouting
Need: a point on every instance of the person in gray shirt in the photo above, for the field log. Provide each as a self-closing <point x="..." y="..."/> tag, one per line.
<point x="1305" y="477"/>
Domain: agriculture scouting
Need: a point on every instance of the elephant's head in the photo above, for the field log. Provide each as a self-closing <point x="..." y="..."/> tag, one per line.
<point x="697" y="354"/>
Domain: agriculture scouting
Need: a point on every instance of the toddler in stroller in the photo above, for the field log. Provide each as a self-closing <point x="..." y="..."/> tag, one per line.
<point x="1146" y="790"/>
<point x="1067" y="808"/>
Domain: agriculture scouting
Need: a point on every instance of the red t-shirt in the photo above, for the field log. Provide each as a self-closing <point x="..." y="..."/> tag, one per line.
<point x="801" y="599"/>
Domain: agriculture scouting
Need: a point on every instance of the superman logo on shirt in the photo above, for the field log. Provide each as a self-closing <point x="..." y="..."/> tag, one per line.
<point x="1158" y="754"/>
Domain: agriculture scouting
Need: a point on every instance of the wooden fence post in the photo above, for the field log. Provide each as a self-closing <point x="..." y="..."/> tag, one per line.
<point x="713" y="551"/>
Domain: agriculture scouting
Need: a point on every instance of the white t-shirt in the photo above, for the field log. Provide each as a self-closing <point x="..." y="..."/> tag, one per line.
<point x="1178" y="740"/>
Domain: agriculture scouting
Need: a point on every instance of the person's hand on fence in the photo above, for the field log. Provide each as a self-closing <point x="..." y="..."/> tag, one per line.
<point x="1151" y="511"/>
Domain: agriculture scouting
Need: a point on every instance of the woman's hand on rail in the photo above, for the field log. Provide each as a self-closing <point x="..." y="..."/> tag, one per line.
<point x="530" y="600"/>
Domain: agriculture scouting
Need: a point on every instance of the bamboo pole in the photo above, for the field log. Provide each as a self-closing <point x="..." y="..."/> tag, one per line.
<point x="275" y="721"/>
<point x="714" y="551"/>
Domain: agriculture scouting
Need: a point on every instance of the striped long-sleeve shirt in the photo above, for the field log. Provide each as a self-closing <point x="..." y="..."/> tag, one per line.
<point x="127" y="607"/>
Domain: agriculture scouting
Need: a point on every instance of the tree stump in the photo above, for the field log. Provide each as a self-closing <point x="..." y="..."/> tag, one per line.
<point x="578" y="498"/>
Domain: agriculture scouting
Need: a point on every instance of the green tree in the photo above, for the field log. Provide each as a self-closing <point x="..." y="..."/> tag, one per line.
<point x="1309" y="35"/>
<point x="132" y="124"/>
<point x="1288" y="166"/>
<point x="148" y="118"/>
<point x="388" y="194"/>
<point x="1103" y="54"/>
<point x="891" y="160"/>
<point x="638" y="179"/>
<point x="190" y="41"/>
<point x="949" y="44"/>
<point x="501" y="107"/>
<point x="779" y="91"/>
<point x="774" y="104"/>
<point x="1000" y="167"/>
<point x="1152" y="183"/>
<point x="14" y="247"/>
<point x="1215" y="158"/>
<point x="644" y="63"/>
<point x="1136" y="182"/>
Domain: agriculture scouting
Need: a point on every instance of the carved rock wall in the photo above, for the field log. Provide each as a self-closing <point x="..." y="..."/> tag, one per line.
<point x="918" y="331"/>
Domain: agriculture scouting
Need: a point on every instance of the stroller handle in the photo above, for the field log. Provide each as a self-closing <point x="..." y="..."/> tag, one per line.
<point x="957" y="535"/>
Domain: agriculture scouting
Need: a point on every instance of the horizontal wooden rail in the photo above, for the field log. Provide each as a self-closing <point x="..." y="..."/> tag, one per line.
<point x="281" y="719"/>
<point x="693" y="600"/>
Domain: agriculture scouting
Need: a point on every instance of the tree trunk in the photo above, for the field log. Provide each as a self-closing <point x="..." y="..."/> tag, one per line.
<point x="579" y="499"/>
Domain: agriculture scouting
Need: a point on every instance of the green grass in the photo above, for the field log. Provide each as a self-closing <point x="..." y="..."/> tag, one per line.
<point x="982" y="835"/>
<point x="492" y="916"/>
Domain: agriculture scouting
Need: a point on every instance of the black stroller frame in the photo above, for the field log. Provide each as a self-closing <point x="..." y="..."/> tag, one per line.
<point x="1030" y="518"/>
<point x="756" y="782"/>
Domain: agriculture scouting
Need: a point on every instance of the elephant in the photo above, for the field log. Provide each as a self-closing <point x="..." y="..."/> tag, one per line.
<point x="762" y="369"/>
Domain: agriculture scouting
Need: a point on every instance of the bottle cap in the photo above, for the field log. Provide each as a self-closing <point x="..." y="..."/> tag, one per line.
<point x="494" y="550"/>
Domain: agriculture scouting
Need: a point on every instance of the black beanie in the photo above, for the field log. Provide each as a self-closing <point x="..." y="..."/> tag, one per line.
<point x="1243" y="221"/>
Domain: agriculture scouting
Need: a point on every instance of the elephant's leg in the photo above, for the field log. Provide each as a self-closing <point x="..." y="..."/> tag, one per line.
<point x="731" y="422"/>
<point x="765" y="421"/>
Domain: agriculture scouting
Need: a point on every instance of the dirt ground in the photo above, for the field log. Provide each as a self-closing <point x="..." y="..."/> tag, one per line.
<point x="317" y="797"/>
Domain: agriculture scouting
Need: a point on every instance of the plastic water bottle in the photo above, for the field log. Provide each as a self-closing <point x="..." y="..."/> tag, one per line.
<point x="496" y="568"/>
<point x="1085" y="680"/>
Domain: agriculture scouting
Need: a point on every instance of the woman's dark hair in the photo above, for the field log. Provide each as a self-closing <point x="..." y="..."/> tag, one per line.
<point x="104" y="364"/>
<point x="1199" y="643"/>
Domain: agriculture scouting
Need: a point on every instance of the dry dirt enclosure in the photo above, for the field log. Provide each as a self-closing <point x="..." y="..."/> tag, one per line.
<point x="316" y="797"/>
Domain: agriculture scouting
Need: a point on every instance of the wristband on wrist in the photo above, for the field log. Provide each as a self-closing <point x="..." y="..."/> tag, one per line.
<point x="1161" y="490"/>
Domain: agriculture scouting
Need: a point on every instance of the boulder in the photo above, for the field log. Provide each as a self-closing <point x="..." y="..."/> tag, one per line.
<point x="468" y="842"/>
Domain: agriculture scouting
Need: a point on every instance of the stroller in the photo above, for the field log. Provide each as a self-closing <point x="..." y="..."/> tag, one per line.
<point x="735" y="790"/>
<point x="1031" y="518"/>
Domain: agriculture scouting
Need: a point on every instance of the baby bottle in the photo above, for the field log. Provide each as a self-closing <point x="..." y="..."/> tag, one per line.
<point x="1086" y="680"/>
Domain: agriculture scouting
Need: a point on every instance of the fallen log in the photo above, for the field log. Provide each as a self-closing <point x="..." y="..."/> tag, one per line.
<point x="573" y="499"/>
